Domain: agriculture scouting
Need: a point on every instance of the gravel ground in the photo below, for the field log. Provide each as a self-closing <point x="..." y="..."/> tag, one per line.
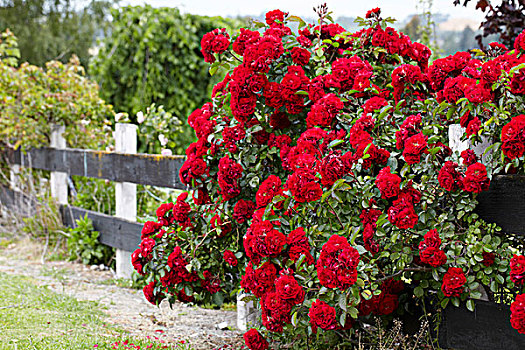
<point x="127" y="309"/>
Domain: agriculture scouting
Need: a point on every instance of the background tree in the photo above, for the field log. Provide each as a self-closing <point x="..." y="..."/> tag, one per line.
<point x="413" y="28"/>
<point x="467" y="40"/>
<point x="55" y="29"/>
<point x="153" y="56"/>
<point x="506" y="19"/>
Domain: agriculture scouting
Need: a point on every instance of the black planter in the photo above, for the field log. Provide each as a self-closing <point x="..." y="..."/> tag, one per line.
<point x="504" y="203"/>
<point x="487" y="328"/>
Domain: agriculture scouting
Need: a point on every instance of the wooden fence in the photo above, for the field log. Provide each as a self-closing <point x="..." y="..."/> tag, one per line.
<point x="126" y="168"/>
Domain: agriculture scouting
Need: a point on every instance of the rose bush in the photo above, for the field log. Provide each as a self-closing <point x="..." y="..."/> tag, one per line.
<point x="323" y="183"/>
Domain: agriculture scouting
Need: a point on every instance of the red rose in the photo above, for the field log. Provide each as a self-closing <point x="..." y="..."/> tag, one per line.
<point x="146" y="247"/>
<point x="488" y="259"/>
<point x="275" y="15"/>
<point x="300" y="56"/>
<point x="469" y="157"/>
<point x="387" y="304"/>
<point x="415" y="146"/>
<point x="149" y="228"/>
<point x="433" y="256"/>
<point x="270" y="188"/>
<point x="476" y="179"/>
<point x="453" y="282"/>
<point x="243" y="210"/>
<point x="337" y="263"/>
<point x="150" y="295"/>
<point x="230" y="258"/>
<point x="402" y="214"/>
<point x="245" y="39"/>
<point x="373" y="12"/>
<point x="260" y="280"/>
<point x="322" y="315"/>
<point x="254" y="340"/>
<point x="478" y="94"/>
<point x="137" y="261"/>
<point x="449" y="178"/>
<point x="216" y="41"/>
<point x="332" y="168"/>
<point x="298" y="245"/>
<point x="519" y="43"/>
<point x="473" y="126"/>
<point x="388" y="183"/>
<point x="517" y="309"/>
<point x="303" y="186"/>
<point x="279" y="120"/>
<point x="513" y="137"/>
<point x="324" y="111"/>
<point x="517" y="269"/>
<point x="288" y="289"/>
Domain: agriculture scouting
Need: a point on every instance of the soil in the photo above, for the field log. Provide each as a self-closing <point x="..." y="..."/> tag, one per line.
<point x="127" y="309"/>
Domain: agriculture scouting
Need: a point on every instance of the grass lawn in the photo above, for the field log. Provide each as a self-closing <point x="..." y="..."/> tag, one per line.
<point x="34" y="317"/>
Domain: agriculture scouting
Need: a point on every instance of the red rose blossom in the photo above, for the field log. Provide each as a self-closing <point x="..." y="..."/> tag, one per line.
<point x="229" y="257"/>
<point x="322" y="315"/>
<point x="517" y="269"/>
<point x="453" y="282"/>
<point x="517" y="309"/>
<point x="254" y="340"/>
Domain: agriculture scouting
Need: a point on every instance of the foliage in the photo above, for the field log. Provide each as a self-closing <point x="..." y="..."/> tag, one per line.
<point x="159" y="130"/>
<point x="324" y="184"/>
<point x="152" y="56"/>
<point x="55" y="29"/>
<point x="33" y="98"/>
<point x="83" y="244"/>
<point x="507" y="19"/>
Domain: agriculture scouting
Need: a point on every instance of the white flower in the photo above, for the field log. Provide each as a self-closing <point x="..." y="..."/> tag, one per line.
<point x="166" y="152"/>
<point x="163" y="140"/>
<point x="118" y="116"/>
<point x="140" y="117"/>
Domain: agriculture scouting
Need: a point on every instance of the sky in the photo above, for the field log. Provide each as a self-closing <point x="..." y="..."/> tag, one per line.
<point x="398" y="9"/>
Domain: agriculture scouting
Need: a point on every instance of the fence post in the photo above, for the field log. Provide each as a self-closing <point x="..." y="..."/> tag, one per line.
<point x="247" y="313"/>
<point x="14" y="177"/>
<point x="455" y="131"/>
<point x="58" y="179"/>
<point x="125" y="193"/>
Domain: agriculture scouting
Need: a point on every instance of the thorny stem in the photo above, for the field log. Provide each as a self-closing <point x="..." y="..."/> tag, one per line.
<point x="413" y="269"/>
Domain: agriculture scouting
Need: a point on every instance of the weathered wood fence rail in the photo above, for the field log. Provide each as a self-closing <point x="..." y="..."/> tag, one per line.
<point x="125" y="168"/>
<point x="144" y="169"/>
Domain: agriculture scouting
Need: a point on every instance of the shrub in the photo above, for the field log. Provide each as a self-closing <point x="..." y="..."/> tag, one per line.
<point x="33" y="98"/>
<point x="152" y="56"/>
<point x="83" y="245"/>
<point x="323" y="182"/>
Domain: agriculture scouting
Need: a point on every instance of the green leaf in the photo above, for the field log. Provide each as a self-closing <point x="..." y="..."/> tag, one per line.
<point x="500" y="279"/>
<point x="419" y="292"/>
<point x="455" y="301"/>
<point x="444" y="302"/>
<point x="353" y="312"/>
<point x="470" y="305"/>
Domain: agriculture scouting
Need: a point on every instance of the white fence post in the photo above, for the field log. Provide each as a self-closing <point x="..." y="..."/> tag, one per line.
<point x="125" y="193"/>
<point x="58" y="179"/>
<point x="14" y="177"/>
<point x="247" y="313"/>
<point x="455" y="132"/>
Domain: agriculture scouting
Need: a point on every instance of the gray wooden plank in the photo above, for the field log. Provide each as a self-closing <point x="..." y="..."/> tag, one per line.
<point x="146" y="169"/>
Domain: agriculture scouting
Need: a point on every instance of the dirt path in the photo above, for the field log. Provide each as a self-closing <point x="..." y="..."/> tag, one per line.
<point x="127" y="309"/>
